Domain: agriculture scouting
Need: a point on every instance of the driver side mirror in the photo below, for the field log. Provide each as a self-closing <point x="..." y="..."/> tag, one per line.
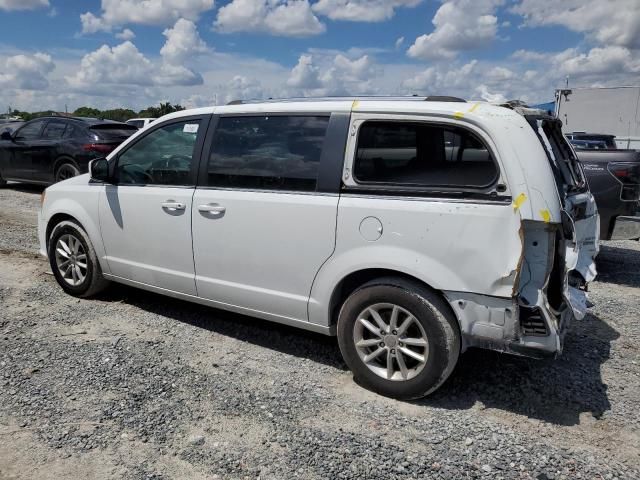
<point x="6" y="135"/>
<point x="99" y="170"/>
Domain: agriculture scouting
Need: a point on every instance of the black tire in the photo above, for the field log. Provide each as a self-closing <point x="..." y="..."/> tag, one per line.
<point x="431" y="312"/>
<point x="3" y="182"/>
<point x="93" y="281"/>
<point x="66" y="170"/>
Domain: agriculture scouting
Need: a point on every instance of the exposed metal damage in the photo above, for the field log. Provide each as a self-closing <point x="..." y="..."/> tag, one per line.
<point x="549" y="289"/>
<point x="555" y="265"/>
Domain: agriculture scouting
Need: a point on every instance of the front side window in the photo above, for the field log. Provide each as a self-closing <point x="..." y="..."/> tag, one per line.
<point x="31" y="131"/>
<point x="419" y="154"/>
<point x="54" y="130"/>
<point x="267" y="152"/>
<point x="162" y="157"/>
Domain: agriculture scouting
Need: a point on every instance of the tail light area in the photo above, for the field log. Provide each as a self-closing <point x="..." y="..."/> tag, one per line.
<point x="628" y="174"/>
<point x="535" y="276"/>
<point x="101" y="148"/>
<point x="532" y="322"/>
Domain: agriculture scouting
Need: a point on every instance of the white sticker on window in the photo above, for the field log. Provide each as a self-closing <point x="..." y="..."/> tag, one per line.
<point x="190" y="128"/>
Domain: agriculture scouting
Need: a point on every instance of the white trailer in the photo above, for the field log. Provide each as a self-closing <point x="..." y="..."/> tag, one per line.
<point x="609" y="110"/>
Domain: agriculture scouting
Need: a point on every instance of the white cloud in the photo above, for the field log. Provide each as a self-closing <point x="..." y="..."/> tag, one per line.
<point x="93" y="24"/>
<point x="305" y="74"/>
<point x="124" y="64"/>
<point x="126" y="34"/>
<point x="287" y="18"/>
<point x="240" y="88"/>
<point x="500" y="74"/>
<point x="459" y="25"/>
<point x="237" y="88"/>
<point x="333" y="75"/>
<point x="362" y="68"/>
<point x="528" y="55"/>
<point x="477" y="80"/>
<point x="117" y="13"/>
<point x="486" y="95"/>
<point x="608" y="61"/>
<point x="27" y="72"/>
<point x="614" y="22"/>
<point x="441" y="80"/>
<point x="183" y="41"/>
<point x="399" y="42"/>
<point x="10" y="5"/>
<point x="611" y="64"/>
<point x="361" y="10"/>
<point x="177" y="75"/>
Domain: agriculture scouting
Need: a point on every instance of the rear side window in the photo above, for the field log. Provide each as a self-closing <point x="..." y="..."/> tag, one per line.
<point x="71" y="131"/>
<point x="422" y="155"/>
<point x="54" y="130"/>
<point x="267" y="152"/>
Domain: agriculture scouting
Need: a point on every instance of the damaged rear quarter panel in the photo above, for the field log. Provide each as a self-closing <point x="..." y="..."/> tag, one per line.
<point x="559" y="246"/>
<point x="490" y="259"/>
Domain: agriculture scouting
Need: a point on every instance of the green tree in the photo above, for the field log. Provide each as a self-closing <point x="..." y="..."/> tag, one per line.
<point x="44" y="113"/>
<point x="88" y="112"/>
<point x="163" y="109"/>
<point x="119" y="114"/>
<point x="24" y="115"/>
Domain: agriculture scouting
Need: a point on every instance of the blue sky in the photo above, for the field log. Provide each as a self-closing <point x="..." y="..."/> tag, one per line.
<point x="133" y="53"/>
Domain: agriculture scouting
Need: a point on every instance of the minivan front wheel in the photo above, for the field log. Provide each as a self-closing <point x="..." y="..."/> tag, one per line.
<point x="399" y="338"/>
<point x="73" y="260"/>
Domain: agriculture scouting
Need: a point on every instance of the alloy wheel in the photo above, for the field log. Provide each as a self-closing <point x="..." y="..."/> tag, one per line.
<point x="71" y="260"/>
<point x="391" y="342"/>
<point x="65" y="172"/>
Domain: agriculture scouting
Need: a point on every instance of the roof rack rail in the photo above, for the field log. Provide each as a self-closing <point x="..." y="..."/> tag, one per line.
<point x="382" y="98"/>
<point x="444" y="98"/>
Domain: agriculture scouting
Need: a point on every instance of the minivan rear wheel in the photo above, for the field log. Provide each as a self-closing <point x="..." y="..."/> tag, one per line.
<point x="399" y="338"/>
<point x="73" y="260"/>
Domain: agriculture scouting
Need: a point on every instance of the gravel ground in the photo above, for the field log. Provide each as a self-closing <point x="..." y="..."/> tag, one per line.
<point x="137" y="386"/>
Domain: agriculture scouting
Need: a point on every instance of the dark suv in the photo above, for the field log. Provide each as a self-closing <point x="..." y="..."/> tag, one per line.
<point x="50" y="149"/>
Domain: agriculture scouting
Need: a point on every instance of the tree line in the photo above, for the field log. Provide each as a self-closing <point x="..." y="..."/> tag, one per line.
<point x="117" y="114"/>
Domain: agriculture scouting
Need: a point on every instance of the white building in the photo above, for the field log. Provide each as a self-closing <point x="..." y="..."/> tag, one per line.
<point x="608" y="110"/>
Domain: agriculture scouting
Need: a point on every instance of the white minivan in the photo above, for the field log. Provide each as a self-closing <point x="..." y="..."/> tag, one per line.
<point x="411" y="228"/>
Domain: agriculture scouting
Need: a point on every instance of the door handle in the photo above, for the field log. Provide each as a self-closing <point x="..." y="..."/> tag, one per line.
<point x="174" y="205"/>
<point x="212" y="208"/>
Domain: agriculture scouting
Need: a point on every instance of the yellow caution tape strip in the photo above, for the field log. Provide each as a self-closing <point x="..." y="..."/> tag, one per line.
<point x="520" y="199"/>
<point x="546" y="215"/>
